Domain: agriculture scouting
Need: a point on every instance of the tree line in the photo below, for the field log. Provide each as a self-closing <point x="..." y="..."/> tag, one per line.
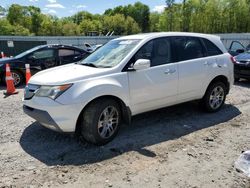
<point x="205" y="16"/>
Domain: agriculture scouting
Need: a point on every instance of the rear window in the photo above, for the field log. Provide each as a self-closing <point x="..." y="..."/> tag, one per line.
<point x="66" y="52"/>
<point x="212" y="49"/>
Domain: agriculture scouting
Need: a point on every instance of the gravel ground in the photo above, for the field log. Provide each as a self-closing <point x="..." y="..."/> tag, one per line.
<point x="172" y="147"/>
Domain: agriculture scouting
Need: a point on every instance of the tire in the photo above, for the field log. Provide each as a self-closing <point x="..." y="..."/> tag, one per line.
<point x="97" y="125"/>
<point x="18" y="78"/>
<point x="212" y="101"/>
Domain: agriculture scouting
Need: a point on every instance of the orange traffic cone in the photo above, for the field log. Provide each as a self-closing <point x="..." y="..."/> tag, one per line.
<point x="9" y="82"/>
<point x="28" y="74"/>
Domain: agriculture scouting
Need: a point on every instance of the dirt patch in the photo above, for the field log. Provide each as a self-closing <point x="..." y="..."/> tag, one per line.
<point x="178" y="146"/>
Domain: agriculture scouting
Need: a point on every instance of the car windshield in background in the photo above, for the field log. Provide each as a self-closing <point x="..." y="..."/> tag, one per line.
<point x="27" y="52"/>
<point x="110" y="54"/>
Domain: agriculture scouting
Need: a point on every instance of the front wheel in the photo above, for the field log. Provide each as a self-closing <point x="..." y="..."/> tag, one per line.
<point x="100" y="121"/>
<point x="215" y="97"/>
<point x="17" y="77"/>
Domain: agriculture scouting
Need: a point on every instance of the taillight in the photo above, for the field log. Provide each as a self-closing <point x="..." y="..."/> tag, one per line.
<point x="233" y="60"/>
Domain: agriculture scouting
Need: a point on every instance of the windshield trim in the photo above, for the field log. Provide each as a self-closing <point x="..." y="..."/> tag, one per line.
<point x="23" y="54"/>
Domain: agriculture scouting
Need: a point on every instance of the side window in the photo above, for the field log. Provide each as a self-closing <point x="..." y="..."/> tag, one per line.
<point x="212" y="49"/>
<point x="158" y="51"/>
<point x="188" y="48"/>
<point x="65" y="52"/>
<point x="161" y="52"/>
<point x="43" y="54"/>
<point x="236" y="46"/>
<point x="145" y="52"/>
<point x="77" y="52"/>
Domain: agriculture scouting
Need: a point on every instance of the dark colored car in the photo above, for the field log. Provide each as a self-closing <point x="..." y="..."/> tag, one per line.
<point x="40" y="58"/>
<point x="242" y="66"/>
<point x="242" y="57"/>
<point x="237" y="48"/>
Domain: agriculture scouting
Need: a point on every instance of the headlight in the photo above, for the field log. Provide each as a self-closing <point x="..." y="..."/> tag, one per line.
<point x="52" y="91"/>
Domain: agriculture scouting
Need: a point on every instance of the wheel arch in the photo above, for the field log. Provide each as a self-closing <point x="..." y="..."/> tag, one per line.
<point x="125" y="110"/>
<point x="2" y="74"/>
<point x="220" y="78"/>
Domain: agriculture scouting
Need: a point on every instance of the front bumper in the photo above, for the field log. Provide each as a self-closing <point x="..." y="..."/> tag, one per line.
<point x="42" y="117"/>
<point x="51" y="114"/>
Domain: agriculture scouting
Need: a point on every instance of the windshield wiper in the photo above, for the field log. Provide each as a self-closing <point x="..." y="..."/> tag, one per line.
<point x="89" y="64"/>
<point x="102" y="66"/>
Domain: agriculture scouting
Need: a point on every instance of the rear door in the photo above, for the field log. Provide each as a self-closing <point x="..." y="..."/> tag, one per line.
<point x="189" y="53"/>
<point x="67" y="55"/>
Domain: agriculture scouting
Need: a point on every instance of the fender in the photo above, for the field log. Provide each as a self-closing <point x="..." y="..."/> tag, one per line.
<point x="84" y="92"/>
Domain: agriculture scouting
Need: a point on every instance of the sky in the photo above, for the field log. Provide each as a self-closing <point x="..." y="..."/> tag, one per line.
<point x="63" y="8"/>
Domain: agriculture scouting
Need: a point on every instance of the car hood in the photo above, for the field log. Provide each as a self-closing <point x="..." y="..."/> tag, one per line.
<point x="243" y="56"/>
<point x="66" y="74"/>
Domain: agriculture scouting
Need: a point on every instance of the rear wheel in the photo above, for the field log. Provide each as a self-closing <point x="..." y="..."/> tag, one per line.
<point x="215" y="97"/>
<point x="100" y="121"/>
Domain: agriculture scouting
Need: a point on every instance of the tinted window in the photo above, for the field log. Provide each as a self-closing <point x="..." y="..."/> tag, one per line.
<point x="65" y="52"/>
<point x="77" y="52"/>
<point x="188" y="48"/>
<point x="236" y="46"/>
<point x="211" y="48"/>
<point x="49" y="53"/>
<point x="157" y="50"/>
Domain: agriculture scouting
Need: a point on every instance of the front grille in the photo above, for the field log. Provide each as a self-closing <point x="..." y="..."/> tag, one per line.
<point x="30" y="91"/>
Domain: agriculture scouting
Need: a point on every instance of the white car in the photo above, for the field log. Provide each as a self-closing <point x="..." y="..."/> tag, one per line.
<point x="128" y="76"/>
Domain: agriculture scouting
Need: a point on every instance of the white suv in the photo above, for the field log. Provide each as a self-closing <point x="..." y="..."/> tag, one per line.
<point x="128" y="76"/>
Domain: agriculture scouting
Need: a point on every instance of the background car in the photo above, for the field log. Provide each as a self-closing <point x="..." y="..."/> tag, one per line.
<point x="242" y="66"/>
<point x="237" y="48"/>
<point x="40" y="58"/>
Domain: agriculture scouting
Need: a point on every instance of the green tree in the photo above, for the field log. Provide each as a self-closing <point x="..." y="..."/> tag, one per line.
<point x="70" y="29"/>
<point x="154" y="22"/>
<point x="88" y="25"/>
<point x="5" y="27"/>
<point x="139" y="12"/>
<point x="36" y="19"/>
<point x="170" y="4"/>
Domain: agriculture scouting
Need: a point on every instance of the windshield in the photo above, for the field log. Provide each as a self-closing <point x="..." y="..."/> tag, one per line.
<point x="27" y="52"/>
<point x="111" y="54"/>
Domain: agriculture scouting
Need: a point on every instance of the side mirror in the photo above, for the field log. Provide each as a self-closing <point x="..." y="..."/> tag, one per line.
<point x="240" y="51"/>
<point x="142" y="64"/>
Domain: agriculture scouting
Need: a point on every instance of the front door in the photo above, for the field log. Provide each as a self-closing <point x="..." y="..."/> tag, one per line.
<point x="42" y="59"/>
<point x="156" y="86"/>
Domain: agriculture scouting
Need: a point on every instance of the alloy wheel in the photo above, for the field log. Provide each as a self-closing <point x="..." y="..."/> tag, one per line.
<point x="216" y="97"/>
<point x="108" y="122"/>
<point x="16" y="77"/>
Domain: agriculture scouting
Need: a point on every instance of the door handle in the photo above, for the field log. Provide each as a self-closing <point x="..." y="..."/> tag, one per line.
<point x="208" y="63"/>
<point x="170" y="71"/>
